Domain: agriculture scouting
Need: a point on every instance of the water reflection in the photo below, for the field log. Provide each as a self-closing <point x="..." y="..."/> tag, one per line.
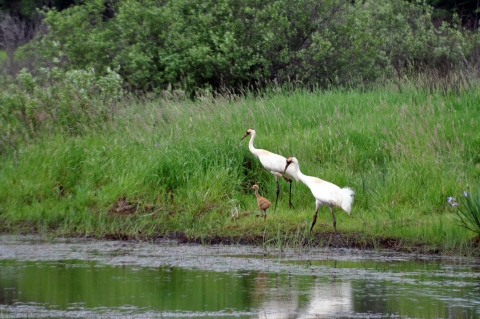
<point x="303" y="297"/>
<point x="329" y="297"/>
<point x="276" y="296"/>
<point x="323" y="298"/>
<point x="254" y="287"/>
<point x="89" y="285"/>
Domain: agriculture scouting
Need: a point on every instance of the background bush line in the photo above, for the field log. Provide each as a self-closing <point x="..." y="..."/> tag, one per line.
<point x="238" y="45"/>
<point x="160" y="166"/>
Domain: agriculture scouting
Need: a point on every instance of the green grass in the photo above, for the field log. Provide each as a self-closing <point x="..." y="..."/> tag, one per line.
<point x="180" y="166"/>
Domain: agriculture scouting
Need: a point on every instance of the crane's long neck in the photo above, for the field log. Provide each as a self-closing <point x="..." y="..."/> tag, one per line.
<point x="250" y="144"/>
<point x="298" y="175"/>
<point x="302" y="177"/>
<point x="257" y="194"/>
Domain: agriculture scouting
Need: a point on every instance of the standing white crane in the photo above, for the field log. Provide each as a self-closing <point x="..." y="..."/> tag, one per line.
<point x="273" y="163"/>
<point x="325" y="193"/>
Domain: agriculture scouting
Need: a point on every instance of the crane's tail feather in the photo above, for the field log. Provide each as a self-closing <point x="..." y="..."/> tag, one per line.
<point x="347" y="199"/>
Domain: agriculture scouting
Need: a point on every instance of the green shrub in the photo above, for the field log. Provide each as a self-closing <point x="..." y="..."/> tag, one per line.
<point x="196" y="44"/>
<point x="57" y="101"/>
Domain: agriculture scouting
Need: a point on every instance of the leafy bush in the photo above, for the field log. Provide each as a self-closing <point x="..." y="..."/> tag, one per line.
<point x="377" y="39"/>
<point x="230" y="44"/>
<point x="57" y="101"/>
<point x="187" y="44"/>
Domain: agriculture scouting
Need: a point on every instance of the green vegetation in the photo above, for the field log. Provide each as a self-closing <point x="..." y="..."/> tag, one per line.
<point x="166" y="165"/>
<point x="468" y="212"/>
<point x="126" y="120"/>
<point x="232" y="45"/>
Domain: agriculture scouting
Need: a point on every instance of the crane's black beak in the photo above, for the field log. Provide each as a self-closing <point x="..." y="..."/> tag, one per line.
<point x="246" y="134"/>
<point x="286" y="165"/>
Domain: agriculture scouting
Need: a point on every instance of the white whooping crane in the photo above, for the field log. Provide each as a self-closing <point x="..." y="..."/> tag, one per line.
<point x="273" y="163"/>
<point x="325" y="193"/>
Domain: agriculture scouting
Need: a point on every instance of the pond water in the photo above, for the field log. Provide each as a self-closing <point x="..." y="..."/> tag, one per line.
<point x="108" y="279"/>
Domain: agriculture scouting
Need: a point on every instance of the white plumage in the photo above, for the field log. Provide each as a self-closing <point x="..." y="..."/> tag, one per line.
<point x="272" y="162"/>
<point x="325" y="193"/>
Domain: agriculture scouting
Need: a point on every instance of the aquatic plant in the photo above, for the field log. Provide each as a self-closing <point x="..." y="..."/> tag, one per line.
<point x="468" y="212"/>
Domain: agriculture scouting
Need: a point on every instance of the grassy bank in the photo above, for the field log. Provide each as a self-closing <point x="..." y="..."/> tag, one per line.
<point x="162" y="166"/>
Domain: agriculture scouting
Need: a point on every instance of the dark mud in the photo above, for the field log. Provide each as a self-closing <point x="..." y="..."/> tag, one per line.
<point x="318" y="240"/>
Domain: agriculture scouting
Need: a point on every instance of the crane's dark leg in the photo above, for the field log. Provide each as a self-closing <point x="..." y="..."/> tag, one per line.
<point x="265" y="216"/>
<point x="277" y="192"/>
<point x="314" y="220"/>
<point x="289" y="180"/>
<point x="334" y="220"/>
<point x="290" y="196"/>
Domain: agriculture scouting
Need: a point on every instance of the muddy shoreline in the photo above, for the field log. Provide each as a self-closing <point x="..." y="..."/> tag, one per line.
<point x="360" y="241"/>
<point x="319" y="240"/>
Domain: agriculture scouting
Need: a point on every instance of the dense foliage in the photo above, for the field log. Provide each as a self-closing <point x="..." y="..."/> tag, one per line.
<point x="445" y="9"/>
<point x="230" y="44"/>
<point x="74" y="101"/>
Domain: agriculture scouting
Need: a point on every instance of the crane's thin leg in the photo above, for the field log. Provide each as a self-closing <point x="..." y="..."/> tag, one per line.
<point x="290" y="195"/>
<point x="314" y="219"/>
<point x="334" y="220"/>
<point x="289" y="180"/>
<point x="277" y="192"/>
<point x="265" y="216"/>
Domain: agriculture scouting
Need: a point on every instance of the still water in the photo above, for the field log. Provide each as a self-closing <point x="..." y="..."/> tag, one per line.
<point x="107" y="279"/>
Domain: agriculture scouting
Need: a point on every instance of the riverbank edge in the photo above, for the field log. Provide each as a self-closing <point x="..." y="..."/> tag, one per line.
<point x="359" y="241"/>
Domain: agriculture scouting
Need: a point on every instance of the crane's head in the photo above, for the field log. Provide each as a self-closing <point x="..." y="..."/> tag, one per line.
<point x="255" y="187"/>
<point x="249" y="131"/>
<point x="290" y="160"/>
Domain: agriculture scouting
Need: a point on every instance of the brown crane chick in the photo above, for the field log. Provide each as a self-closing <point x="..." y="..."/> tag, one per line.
<point x="263" y="203"/>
